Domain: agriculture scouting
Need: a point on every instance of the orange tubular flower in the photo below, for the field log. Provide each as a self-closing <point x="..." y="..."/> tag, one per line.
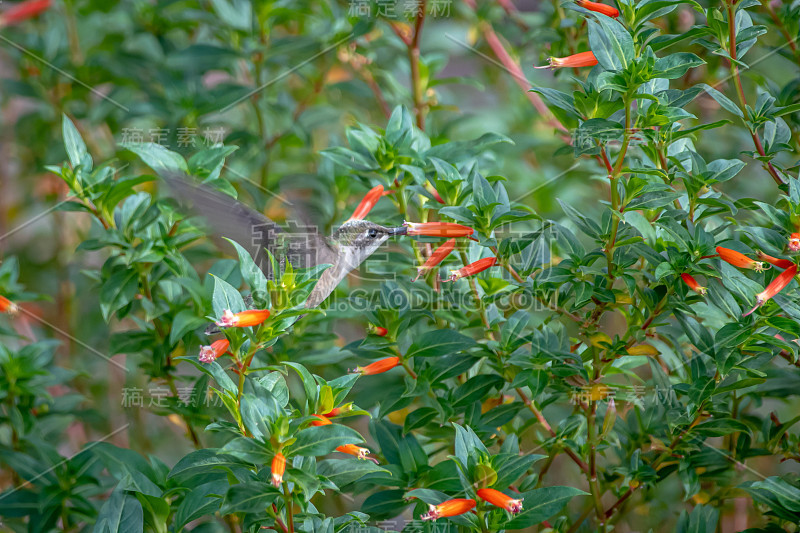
<point x="794" y="242"/>
<point x="453" y="507"/>
<point x="378" y="367"/>
<point x="583" y="59"/>
<point x="209" y="354"/>
<point x="473" y="268"/>
<point x="438" y="229"/>
<point x="23" y="11"/>
<point x="369" y="201"/>
<point x="7" y="306"/>
<point x="597" y="7"/>
<point x="777" y="285"/>
<point x="244" y="319"/>
<point x="436" y="257"/>
<point x="320" y="421"/>
<point x="692" y="283"/>
<point x="352" y="449"/>
<point x="278" y="468"/>
<point x="774" y="261"/>
<point x="738" y="259"/>
<point x="497" y="498"/>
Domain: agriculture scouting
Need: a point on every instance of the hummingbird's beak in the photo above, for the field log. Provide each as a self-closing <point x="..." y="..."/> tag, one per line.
<point x="400" y="230"/>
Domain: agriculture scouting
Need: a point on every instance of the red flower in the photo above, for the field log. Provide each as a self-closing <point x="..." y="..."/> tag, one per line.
<point x="583" y="59"/>
<point x="438" y="229"/>
<point x="22" y="11"/>
<point x="378" y="367"/>
<point x="369" y="201"/>
<point x="473" y="268"/>
<point x="436" y="257"/>
<point x="738" y="259"/>
<point x="209" y="354"/>
<point x="774" y="261"/>
<point x="597" y="7"/>
<point x="379" y="331"/>
<point x="777" y="285"/>
<point x="794" y="242"/>
<point x="278" y="468"/>
<point x="320" y="421"/>
<point x="251" y="317"/>
<point x="692" y="283"/>
<point x="495" y="497"/>
<point x="7" y="306"/>
<point x="453" y="507"/>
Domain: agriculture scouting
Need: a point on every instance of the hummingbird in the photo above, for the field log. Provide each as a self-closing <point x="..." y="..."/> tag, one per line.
<point x="303" y="246"/>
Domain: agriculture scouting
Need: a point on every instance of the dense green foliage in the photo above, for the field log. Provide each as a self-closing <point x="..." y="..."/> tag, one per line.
<point x="617" y="369"/>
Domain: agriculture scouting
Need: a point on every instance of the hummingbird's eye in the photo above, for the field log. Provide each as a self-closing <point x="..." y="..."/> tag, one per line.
<point x="372" y="233"/>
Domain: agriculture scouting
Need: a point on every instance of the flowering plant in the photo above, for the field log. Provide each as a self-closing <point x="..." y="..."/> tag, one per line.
<point x="624" y="359"/>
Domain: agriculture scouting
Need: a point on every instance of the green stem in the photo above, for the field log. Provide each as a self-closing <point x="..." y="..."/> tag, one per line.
<point x="287" y="498"/>
<point x="737" y="81"/>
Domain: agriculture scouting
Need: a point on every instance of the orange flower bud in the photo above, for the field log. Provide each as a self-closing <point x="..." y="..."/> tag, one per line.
<point x="367" y="203"/>
<point x="436" y="257"/>
<point x="774" y="261"/>
<point x="497" y="498"/>
<point x="583" y="59"/>
<point x="352" y="449"/>
<point x="278" y="468"/>
<point x="794" y="242"/>
<point x="23" y="11"/>
<point x="7" y="306"/>
<point x="453" y="507"/>
<point x="336" y="411"/>
<point x="244" y="319"/>
<point x="379" y="331"/>
<point x="320" y="421"/>
<point x="692" y="283"/>
<point x="431" y="189"/>
<point x="597" y="7"/>
<point x="777" y="285"/>
<point x="473" y="268"/>
<point x="438" y="229"/>
<point x="209" y="354"/>
<point x="738" y="259"/>
<point x="378" y="367"/>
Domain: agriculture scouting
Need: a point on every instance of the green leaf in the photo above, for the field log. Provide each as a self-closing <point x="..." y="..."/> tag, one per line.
<point x="610" y="42"/>
<point x="723" y="100"/>
<point x="73" y="143"/>
<point x="418" y="418"/>
<point x="322" y="440"/>
<point x="541" y="504"/>
<point x="225" y="297"/>
<point x="118" y="291"/>
<point x="676" y="65"/>
<point x="309" y="383"/>
<point x="201" y="501"/>
<point x="121" y="513"/>
<point x="235" y="13"/>
<point x="249" y="497"/>
<point x="203" y="462"/>
<point x="253" y="275"/>
<point x="342" y="472"/>
<point x="161" y="160"/>
<point x="440" y="342"/>
<point x="185" y="321"/>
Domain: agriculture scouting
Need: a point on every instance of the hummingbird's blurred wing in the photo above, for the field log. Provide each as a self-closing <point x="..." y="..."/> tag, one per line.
<point x="303" y="246"/>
